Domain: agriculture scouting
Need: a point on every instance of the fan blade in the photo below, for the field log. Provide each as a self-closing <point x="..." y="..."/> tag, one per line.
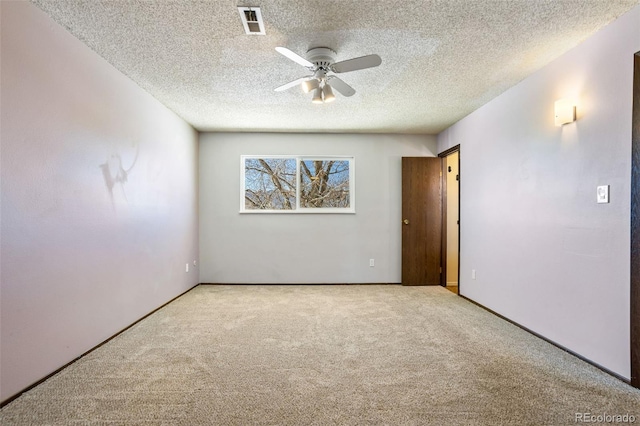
<point x="355" y="64"/>
<point x="294" y="57"/>
<point x="293" y="83"/>
<point x="341" y="86"/>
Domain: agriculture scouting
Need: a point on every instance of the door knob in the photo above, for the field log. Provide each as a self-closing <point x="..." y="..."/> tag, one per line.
<point x="406" y="221"/>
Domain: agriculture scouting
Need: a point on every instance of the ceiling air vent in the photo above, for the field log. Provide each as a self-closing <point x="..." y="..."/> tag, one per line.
<point x="252" y="20"/>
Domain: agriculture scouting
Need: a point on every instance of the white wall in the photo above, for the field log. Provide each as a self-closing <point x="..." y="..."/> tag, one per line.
<point x="78" y="264"/>
<point x="546" y="255"/>
<point x="304" y="248"/>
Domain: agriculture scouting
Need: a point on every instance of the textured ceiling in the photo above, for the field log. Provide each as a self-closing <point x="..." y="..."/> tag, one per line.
<point x="441" y="59"/>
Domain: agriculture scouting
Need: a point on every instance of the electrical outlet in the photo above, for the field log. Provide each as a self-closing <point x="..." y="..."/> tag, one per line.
<point x="473" y="274"/>
<point x="602" y="194"/>
<point x="195" y="263"/>
<point x="372" y="262"/>
<point x="186" y="269"/>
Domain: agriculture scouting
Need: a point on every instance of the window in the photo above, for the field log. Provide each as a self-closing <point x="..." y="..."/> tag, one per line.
<point x="297" y="184"/>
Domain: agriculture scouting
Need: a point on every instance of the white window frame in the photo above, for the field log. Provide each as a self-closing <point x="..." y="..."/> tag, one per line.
<point x="302" y="210"/>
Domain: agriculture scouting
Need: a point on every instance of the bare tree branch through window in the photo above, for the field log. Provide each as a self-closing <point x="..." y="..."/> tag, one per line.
<point x="324" y="183"/>
<point x="270" y="184"/>
<point x="302" y="184"/>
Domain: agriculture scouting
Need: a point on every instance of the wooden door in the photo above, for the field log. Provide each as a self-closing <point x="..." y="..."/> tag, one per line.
<point x="421" y="220"/>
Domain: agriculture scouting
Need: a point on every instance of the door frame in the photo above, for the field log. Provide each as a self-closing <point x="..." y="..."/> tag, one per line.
<point x="634" y="283"/>
<point x="443" y="257"/>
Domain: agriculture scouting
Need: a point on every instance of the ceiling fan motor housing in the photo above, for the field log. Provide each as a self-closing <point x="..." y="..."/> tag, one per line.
<point x="321" y="57"/>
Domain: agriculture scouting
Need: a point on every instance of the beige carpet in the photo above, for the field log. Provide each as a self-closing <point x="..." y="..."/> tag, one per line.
<point x="323" y="355"/>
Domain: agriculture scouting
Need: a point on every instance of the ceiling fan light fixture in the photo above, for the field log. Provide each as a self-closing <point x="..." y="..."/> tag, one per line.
<point x="310" y="85"/>
<point x="317" y="96"/>
<point x="328" y="93"/>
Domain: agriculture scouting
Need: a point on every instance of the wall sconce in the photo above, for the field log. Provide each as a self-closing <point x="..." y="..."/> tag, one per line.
<point x="565" y="112"/>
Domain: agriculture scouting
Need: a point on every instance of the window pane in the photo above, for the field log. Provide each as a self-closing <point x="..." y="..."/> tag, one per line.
<point x="270" y="183"/>
<point x="324" y="184"/>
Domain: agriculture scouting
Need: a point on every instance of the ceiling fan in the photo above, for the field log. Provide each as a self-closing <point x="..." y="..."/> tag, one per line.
<point x="321" y="62"/>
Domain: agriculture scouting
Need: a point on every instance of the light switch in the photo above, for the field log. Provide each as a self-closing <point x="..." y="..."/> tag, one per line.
<point x="602" y="194"/>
